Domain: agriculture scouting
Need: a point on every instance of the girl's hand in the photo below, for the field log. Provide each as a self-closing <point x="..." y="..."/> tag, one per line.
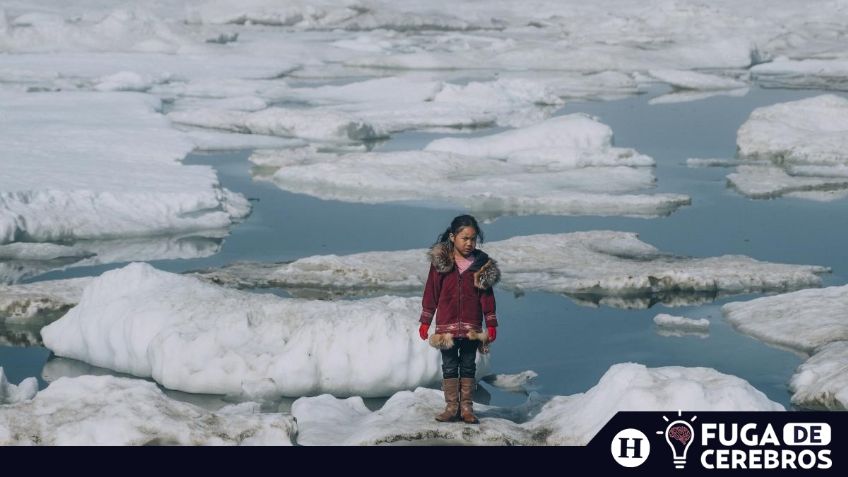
<point x="422" y="331"/>
<point x="493" y="333"/>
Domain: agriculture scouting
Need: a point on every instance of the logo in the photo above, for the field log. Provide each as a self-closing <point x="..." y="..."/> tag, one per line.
<point x="679" y="434"/>
<point x="630" y="448"/>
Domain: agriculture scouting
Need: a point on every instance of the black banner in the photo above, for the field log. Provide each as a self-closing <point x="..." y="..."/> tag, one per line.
<point x="712" y="443"/>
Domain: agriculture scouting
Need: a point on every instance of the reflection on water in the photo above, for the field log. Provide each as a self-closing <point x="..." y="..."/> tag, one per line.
<point x="569" y="344"/>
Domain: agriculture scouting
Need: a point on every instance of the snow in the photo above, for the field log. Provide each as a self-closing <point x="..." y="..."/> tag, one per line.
<point x="582" y="264"/>
<point x="811" y="322"/>
<point x="22" y="303"/>
<point x="805" y="142"/>
<point x="711" y="162"/>
<point x="765" y="182"/>
<point x="407" y="417"/>
<point x="807" y="131"/>
<point x="11" y="394"/>
<point x="681" y="322"/>
<point x="696" y="81"/>
<point x="803" y="320"/>
<point x="822" y="381"/>
<point x="562" y="166"/>
<point x="512" y="382"/>
<point x="301" y="123"/>
<point x="812" y="73"/>
<point x="201" y="338"/>
<point x="122" y="184"/>
<point x="105" y="410"/>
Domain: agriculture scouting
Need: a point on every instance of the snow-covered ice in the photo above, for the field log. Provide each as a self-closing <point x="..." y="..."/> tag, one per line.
<point x="128" y="182"/>
<point x="563" y="166"/>
<point x="105" y="410"/>
<point x="10" y="393"/>
<point x="691" y="80"/>
<point x="803" y="320"/>
<point x="21" y="303"/>
<point x="23" y="260"/>
<point x="512" y="382"/>
<point x="807" y="131"/>
<point x="681" y="322"/>
<point x="822" y="381"/>
<point x="407" y="417"/>
<point x="805" y="143"/>
<point x="813" y="323"/>
<point x="813" y="73"/>
<point x="197" y="337"/>
<point x="286" y="122"/>
<point x="711" y="162"/>
<point x="581" y="264"/>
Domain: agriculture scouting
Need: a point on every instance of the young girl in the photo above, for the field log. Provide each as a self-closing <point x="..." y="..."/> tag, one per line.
<point x="459" y="293"/>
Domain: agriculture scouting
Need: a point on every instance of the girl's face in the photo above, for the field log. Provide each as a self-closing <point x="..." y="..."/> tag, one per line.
<point x="464" y="241"/>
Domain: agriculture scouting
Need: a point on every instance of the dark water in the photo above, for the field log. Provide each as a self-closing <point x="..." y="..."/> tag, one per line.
<point x="569" y="345"/>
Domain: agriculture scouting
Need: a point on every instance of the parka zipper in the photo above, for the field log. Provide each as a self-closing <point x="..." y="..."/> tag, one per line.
<point x="459" y="311"/>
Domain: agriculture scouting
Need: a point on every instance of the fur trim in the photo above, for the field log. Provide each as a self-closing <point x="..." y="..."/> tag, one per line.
<point x="480" y="336"/>
<point x="483" y="338"/>
<point x="441" y="341"/>
<point x="445" y="340"/>
<point x="441" y="256"/>
<point x="488" y="275"/>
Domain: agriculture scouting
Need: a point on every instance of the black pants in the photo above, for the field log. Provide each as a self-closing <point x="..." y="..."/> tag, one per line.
<point x="458" y="362"/>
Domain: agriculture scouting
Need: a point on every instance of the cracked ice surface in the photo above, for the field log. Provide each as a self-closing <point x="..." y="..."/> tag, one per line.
<point x="407" y="417"/>
<point x="105" y="410"/>
<point x="123" y="184"/>
<point x="201" y="338"/>
<point x="562" y="166"/>
<point x="812" y="322"/>
<point x="580" y="263"/>
<point x="804" y="144"/>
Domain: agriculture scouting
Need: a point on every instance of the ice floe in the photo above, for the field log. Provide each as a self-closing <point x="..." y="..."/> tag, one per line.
<point x="123" y="184"/>
<point x="21" y="303"/>
<point x="10" y="393"/>
<point x="407" y="417"/>
<point x="802" y="320"/>
<point x="581" y="264"/>
<point x="512" y="382"/>
<point x="681" y="322"/>
<point x="25" y="260"/>
<point x="105" y="410"/>
<point x="562" y="166"/>
<point x="197" y="337"/>
<point x="813" y="323"/>
<point x="696" y="81"/>
<point x="804" y="143"/>
<point x="822" y="381"/>
<point x="286" y="122"/>
<point x="812" y="73"/>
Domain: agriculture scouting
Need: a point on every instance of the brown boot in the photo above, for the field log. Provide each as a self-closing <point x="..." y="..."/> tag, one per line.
<point x="451" y="388"/>
<point x="466" y="409"/>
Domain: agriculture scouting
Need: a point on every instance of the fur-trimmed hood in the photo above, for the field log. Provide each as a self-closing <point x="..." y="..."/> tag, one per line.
<point x="485" y="269"/>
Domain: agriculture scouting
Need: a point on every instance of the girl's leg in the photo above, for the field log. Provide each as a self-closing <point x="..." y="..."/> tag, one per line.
<point x="467" y="357"/>
<point x="450" y="384"/>
<point x="467" y="370"/>
<point x="450" y="361"/>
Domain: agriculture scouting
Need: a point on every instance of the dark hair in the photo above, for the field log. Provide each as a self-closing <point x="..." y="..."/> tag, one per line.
<point x="457" y="224"/>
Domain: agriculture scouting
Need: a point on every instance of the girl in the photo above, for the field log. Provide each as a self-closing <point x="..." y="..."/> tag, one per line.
<point x="459" y="293"/>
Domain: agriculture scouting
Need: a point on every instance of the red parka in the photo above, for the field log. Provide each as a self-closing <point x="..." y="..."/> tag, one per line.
<point x="459" y="301"/>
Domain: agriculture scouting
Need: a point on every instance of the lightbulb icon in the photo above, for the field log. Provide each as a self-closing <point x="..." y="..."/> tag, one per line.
<point x="678" y="434"/>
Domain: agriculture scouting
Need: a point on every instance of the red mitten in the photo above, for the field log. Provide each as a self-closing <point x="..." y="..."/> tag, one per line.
<point x="422" y="331"/>
<point x="493" y="333"/>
